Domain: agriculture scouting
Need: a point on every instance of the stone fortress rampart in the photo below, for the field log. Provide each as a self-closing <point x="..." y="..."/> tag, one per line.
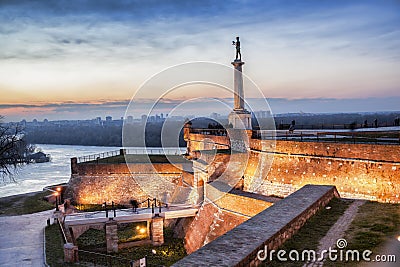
<point x="367" y="171"/>
<point x="93" y="183"/>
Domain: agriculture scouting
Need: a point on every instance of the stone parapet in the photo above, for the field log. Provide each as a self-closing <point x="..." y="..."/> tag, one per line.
<point x="270" y="228"/>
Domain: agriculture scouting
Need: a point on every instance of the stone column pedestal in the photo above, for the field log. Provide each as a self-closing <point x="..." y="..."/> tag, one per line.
<point x="157" y="231"/>
<point x="111" y="236"/>
<point x="70" y="253"/>
<point x="240" y="119"/>
<point x="238" y="85"/>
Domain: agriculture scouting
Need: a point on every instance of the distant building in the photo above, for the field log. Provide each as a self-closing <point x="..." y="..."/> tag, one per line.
<point x="144" y="119"/>
<point x="215" y="116"/>
<point x="262" y="114"/>
<point x="129" y="119"/>
<point x="97" y="120"/>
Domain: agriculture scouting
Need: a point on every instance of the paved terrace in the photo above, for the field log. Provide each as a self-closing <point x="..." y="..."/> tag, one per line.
<point x="142" y="214"/>
<point x="270" y="228"/>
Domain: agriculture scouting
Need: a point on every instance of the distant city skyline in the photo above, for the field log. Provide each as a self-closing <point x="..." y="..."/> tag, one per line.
<point x="79" y="60"/>
<point x="116" y="109"/>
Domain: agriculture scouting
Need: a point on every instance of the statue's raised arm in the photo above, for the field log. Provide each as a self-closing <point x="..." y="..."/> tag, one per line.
<point x="237" y="44"/>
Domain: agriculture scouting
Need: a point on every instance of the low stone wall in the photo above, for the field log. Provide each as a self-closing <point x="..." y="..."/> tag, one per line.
<point x="270" y="228"/>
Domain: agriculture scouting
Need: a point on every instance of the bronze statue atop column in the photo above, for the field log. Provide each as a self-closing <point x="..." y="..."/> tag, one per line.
<point x="237" y="44"/>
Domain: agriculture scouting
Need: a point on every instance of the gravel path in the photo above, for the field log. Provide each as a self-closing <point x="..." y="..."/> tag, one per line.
<point x="336" y="231"/>
<point x="21" y="239"/>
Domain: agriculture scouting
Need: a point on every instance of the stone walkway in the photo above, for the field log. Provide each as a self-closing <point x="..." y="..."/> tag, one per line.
<point x="336" y="231"/>
<point x="21" y="239"/>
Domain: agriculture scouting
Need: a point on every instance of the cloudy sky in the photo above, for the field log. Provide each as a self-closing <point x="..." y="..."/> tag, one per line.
<point x="79" y="59"/>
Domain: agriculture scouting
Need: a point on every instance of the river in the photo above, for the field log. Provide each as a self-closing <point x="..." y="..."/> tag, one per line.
<point x="34" y="177"/>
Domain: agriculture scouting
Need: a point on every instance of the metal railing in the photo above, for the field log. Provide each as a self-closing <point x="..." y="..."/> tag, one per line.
<point x="64" y="236"/>
<point x="156" y="151"/>
<point x="132" y="151"/>
<point x="336" y="137"/>
<point x="99" y="156"/>
<point x="376" y="137"/>
<point x="345" y="126"/>
<point x="205" y="131"/>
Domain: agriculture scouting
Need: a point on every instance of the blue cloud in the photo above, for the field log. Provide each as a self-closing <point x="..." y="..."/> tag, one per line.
<point x="154" y="26"/>
<point x="314" y="38"/>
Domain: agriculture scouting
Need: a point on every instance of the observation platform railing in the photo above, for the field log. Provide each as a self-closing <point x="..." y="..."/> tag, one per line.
<point x="375" y="137"/>
<point x="133" y="151"/>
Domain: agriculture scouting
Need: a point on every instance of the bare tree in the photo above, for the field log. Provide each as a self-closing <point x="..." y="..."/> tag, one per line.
<point x="12" y="148"/>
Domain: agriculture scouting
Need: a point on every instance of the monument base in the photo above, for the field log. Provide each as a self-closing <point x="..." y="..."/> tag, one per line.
<point x="240" y="119"/>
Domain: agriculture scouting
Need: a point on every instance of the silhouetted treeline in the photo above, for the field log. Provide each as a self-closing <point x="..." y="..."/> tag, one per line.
<point x="96" y="135"/>
<point x="340" y="120"/>
<point x="171" y="132"/>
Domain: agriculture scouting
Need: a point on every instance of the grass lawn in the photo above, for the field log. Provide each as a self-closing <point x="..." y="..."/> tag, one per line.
<point x="135" y="231"/>
<point x="93" y="240"/>
<point x="24" y="204"/>
<point x="170" y="252"/>
<point x="313" y="230"/>
<point x="167" y="254"/>
<point x="55" y="247"/>
<point x="374" y="224"/>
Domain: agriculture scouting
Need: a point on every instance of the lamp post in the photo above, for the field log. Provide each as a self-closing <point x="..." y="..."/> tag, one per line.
<point x="59" y="191"/>
<point x="56" y="194"/>
<point x="105" y="208"/>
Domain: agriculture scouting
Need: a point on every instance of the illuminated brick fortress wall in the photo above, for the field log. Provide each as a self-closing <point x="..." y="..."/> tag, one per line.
<point x="368" y="171"/>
